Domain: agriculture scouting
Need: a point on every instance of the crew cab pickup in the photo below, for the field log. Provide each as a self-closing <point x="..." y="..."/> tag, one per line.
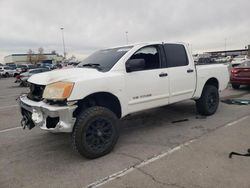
<point x="87" y="101"/>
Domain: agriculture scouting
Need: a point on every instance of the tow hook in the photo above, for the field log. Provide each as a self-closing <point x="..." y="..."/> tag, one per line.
<point x="27" y="122"/>
<point x="24" y="122"/>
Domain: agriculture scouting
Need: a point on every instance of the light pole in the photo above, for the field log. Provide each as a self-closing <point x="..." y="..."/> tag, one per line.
<point x="64" y="52"/>
<point x="126" y="33"/>
<point x="225" y="45"/>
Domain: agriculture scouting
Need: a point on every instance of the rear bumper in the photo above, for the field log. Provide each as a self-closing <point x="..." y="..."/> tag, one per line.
<point x="48" y="117"/>
<point x="242" y="81"/>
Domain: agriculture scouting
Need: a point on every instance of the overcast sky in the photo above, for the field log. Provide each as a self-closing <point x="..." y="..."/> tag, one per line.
<point x="94" y="24"/>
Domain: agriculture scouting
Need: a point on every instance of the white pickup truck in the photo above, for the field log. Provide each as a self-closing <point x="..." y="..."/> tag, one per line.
<point x="87" y="101"/>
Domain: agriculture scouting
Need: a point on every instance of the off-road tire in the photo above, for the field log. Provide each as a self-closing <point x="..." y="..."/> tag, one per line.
<point x="208" y="103"/>
<point x="87" y="122"/>
<point x="235" y="86"/>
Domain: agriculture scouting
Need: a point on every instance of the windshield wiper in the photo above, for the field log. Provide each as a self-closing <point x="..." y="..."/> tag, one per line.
<point x="92" y="65"/>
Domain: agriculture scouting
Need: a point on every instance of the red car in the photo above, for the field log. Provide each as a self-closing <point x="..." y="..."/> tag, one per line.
<point x="240" y="75"/>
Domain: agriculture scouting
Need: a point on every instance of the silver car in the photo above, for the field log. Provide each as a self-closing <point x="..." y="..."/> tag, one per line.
<point x="25" y="76"/>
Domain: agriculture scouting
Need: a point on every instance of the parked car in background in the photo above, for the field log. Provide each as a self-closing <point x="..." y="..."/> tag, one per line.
<point x="6" y="71"/>
<point x="51" y="66"/>
<point x="12" y="65"/>
<point x="23" y="77"/>
<point x="223" y="59"/>
<point x="73" y="64"/>
<point x="23" y="68"/>
<point x="30" y="66"/>
<point x="204" y="58"/>
<point x="240" y="75"/>
<point x="238" y="60"/>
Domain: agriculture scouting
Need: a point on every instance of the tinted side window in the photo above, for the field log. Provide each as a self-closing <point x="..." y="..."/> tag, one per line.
<point x="176" y="55"/>
<point x="151" y="56"/>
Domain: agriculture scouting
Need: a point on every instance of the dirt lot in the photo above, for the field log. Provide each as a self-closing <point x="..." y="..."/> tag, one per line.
<point x="40" y="159"/>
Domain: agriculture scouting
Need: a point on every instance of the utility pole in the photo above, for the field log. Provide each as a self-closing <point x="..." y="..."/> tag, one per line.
<point x="64" y="51"/>
<point x="126" y="33"/>
<point x="248" y="52"/>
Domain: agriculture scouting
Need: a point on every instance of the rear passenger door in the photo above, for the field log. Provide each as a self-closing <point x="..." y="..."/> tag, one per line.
<point x="182" y="75"/>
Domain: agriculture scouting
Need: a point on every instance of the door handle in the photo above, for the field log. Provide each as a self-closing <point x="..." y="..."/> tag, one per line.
<point x="190" y="70"/>
<point x="163" y="74"/>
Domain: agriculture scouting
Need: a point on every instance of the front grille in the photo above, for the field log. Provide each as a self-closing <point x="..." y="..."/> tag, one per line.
<point x="36" y="92"/>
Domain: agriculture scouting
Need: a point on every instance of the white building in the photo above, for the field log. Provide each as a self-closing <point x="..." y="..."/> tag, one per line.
<point x="25" y="58"/>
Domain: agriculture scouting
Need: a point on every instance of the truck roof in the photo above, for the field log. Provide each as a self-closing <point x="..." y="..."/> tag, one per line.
<point x="146" y="43"/>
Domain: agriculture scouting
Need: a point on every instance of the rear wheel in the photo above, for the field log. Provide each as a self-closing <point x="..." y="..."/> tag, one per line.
<point x="208" y="103"/>
<point x="236" y="86"/>
<point x="95" y="133"/>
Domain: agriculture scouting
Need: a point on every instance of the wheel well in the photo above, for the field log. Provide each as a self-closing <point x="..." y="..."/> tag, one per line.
<point x="213" y="82"/>
<point x="103" y="99"/>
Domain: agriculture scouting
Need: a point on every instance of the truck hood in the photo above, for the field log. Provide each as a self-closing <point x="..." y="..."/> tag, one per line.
<point x="70" y="75"/>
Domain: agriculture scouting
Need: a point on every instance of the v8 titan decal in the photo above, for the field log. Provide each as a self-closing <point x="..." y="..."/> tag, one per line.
<point x="142" y="96"/>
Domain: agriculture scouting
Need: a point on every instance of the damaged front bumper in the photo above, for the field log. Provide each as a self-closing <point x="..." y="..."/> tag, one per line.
<point x="48" y="117"/>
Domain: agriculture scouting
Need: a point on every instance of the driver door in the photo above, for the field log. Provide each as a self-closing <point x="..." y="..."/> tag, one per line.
<point x="148" y="87"/>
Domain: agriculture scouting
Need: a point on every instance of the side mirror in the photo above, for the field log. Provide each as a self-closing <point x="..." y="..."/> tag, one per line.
<point x="135" y="65"/>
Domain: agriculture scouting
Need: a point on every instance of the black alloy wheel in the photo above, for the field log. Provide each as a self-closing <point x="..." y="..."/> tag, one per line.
<point x="96" y="132"/>
<point x="208" y="103"/>
<point x="99" y="134"/>
<point x="212" y="100"/>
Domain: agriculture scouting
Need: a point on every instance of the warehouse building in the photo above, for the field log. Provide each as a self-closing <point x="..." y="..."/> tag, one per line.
<point x="232" y="53"/>
<point x="32" y="58"/>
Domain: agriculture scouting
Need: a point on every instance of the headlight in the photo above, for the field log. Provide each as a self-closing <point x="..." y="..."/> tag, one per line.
<point x="58" y="90"/>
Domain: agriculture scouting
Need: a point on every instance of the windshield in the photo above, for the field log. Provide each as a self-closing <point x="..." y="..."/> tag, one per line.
<point x="104" y="60"/>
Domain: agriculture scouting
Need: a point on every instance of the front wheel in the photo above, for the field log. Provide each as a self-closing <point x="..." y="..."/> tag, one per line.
<point x="95" y="133"/>
<point x="208" y="103"/>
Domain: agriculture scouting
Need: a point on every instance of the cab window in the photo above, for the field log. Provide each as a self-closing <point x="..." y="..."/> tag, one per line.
<point x="176" y="55"/>
<point x="150" y="55"/>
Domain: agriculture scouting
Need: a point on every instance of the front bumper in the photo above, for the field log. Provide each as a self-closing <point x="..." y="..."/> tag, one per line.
<point x="47" y="117"/>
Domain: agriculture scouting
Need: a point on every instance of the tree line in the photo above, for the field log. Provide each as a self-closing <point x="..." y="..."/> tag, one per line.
<point x="34" y="58"/>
